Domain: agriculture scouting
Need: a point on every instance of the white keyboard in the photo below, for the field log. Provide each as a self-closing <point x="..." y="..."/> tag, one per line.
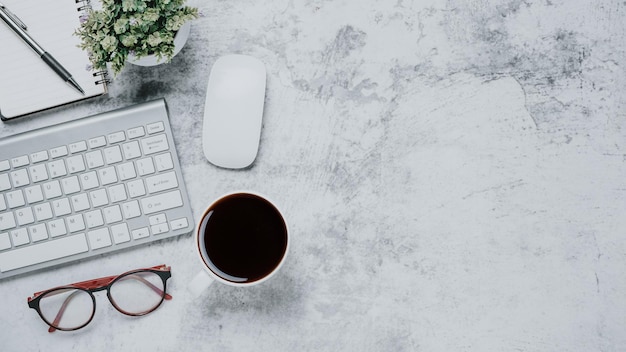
<point x="88" y="187"/>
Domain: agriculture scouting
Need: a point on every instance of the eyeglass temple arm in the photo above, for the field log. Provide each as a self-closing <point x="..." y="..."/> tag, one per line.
<point x="87" y="285"/>
<point x="57" y="319"/>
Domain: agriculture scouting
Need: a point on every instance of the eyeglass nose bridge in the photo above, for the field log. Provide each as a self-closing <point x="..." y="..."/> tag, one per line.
<point x="96" y="284"/>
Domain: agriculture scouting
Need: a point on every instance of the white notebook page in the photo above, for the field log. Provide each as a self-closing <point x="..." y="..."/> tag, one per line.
<point x="27" y="84"/>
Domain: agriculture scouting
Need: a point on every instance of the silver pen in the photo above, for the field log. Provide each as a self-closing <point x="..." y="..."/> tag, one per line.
<point x="20" y="29"/>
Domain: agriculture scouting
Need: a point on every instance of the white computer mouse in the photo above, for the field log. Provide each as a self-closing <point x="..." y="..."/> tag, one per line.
<point x="233" y="111"/>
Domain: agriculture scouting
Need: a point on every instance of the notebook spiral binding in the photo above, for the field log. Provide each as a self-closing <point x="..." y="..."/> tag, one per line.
<point x="103" y="77"/>
<point x="86" y="5"/>
<point x="83" y="8"/>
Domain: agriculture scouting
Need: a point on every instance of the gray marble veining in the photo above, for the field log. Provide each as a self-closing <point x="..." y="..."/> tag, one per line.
<point x="453" y="173"/>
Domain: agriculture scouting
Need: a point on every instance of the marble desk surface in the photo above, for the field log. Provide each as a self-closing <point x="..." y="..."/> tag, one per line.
<point x="453" y="173"/>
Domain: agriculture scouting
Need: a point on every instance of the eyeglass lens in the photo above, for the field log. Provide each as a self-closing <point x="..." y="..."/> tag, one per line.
<point x="135" y="293"/>
<point x="67" y="308"/>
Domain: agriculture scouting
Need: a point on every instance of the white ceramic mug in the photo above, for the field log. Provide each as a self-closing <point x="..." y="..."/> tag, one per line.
<point x="265" y="229"/>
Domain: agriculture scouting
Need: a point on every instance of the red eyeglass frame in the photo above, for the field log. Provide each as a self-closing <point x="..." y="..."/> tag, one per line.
<point x="101" y="284"/>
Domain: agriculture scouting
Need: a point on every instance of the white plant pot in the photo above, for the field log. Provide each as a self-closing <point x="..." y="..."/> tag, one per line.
<point x="179" y="41"/>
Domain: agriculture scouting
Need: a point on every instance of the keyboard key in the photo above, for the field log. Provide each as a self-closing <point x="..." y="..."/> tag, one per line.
<point x="20" y="178"/>
<point x="112" y="214"/>
<point x="131" y="209"/>
<point x="161" y="182"/>
<point x="43" y="211"/>
<point x="38" y="232"/>
<point x="116" y="137"/>
<point x="107" y="175"/>
<point x="155" y="127"/>
<point x="39" y="156"/>
<point x="117" y="193"/>
<point x="15" y="199"/>
<point x="20" y="161"/>
<point x="52" y="189"/>
<point x="97" y="142"/>
<point x="94" y="159"/>
<point x="70" y="185"/>
<point x="75" y="223"/>
<point x="161" y="202"/>
<point x="94" y="218"/>
<point x="120" y="233"/>
<point x="136" y="188"/>
<point x="98" y="198"/>
<point x="3" y="205"/>
<point x="61" y="207"/>
<point x="58" y="152"/>
<point x="24" y="216"/>
<point x="159" y="229"/>
<point x="179" y="224"/>
<point x="38" y="173"/>
<point x="99" y="238"/>
<point x="80" y="202"/>
<point x="33" y="194"/>
<point x="136" y="132"/>
<point x="78" y="147"/>
<point x="157" y="219"/>
<point x="5" y="242"/>
<point x="57" y="168"/>
<point x="131" y="150"/>
<point x="43" y="252"/>
<point x="19" y="237"/>
<point x="140" y="233"/>
<point x="89" y="180"/>
<point x="113" y="154"/>
<point x="7" y="221"/>
<point x="164" y="162"/>
<point x="4" y="182"/>
<point x="154" y="144"/>
<point x="75" y="164"/>
<point x="126" y="171"/>
<point x="56" y="228"/>
<point x="145" y="166"/>
<point x="4" y="165"/>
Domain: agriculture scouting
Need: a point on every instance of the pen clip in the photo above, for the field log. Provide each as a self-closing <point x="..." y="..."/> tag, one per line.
<point x="13" y="17"/>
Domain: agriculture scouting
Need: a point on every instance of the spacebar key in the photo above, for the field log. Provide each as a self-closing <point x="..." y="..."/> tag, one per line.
<point x="43" y="252"/>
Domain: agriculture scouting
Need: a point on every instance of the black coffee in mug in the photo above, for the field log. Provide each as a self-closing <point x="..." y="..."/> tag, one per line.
<point x="244" y="237"/>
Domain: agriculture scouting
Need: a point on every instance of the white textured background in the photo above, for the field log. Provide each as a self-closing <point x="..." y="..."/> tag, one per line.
<point x="453" y="172"/>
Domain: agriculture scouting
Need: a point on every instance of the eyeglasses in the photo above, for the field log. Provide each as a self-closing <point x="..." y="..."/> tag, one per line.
<point x="71" y="307"/>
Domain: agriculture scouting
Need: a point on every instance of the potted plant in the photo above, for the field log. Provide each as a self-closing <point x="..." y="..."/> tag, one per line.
<point x="126" y="29"/>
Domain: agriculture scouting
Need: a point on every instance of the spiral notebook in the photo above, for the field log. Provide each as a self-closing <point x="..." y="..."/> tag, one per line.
<point x="27" y="84"/>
